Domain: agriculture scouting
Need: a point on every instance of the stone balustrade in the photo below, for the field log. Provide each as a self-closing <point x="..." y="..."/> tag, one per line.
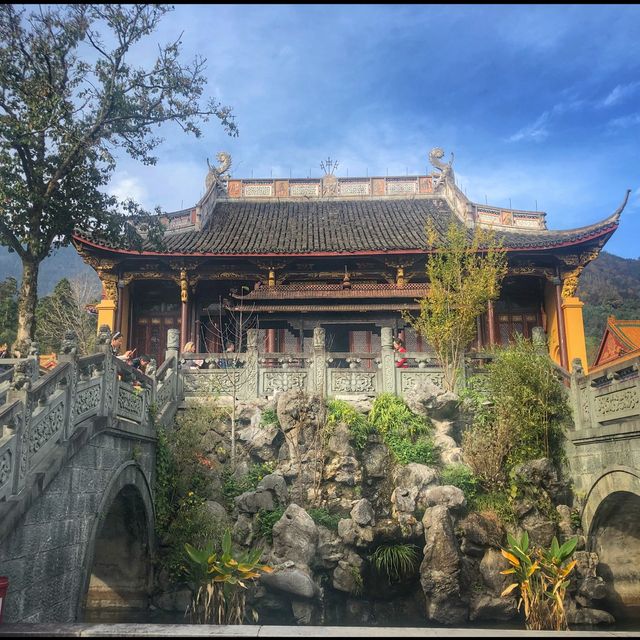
<point x="256" y="374"/>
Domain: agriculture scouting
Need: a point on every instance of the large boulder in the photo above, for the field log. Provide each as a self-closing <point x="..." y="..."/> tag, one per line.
<point x="376" y="461"/>
<point x="295" y="536"/>
<point x="277" y="486"/>
<point x="260" y="499"/>
<point x="540" y="473"/>
<point x="297" y="409"/>
<point x="347" y="575"/>
<point x="292" y="579"/>
<point x="262" y="441"/>
<point x="362" y="513"/>
<point x="330" y="548"/>
<point x="480" y="531"/>
<point x="352" y="533"/>
<point x="440" y="569"/>
<point x="447" y="495"/>
<point x="429" y="399"/>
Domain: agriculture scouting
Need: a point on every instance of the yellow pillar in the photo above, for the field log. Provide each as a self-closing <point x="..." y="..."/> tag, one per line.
<point x="106" y="314"/>
<point x="574" y="324"/>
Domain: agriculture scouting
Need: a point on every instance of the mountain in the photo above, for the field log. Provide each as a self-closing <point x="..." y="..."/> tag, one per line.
<point x="64" y="263"/>
<point x="609" y="286"/>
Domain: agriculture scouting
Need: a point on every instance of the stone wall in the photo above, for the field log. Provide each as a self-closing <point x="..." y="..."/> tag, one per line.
<point x="48" y="556"/>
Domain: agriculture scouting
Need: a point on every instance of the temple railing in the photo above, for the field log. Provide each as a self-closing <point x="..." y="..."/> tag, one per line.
<point x="254" y="374"/>
<point x="42" y="415"/>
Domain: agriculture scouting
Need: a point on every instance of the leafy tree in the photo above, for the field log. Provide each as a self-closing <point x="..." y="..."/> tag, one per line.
<point x="465" y="271"/>
<point x="64" y="309"/>
<point x="70" y="96"/>
<point x="8" y="310"/>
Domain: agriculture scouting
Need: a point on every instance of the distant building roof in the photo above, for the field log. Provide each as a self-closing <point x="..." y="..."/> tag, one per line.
<point x="621" y="338"/>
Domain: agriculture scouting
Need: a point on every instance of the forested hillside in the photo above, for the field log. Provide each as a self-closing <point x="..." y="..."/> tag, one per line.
<point x="64" y="263"/>
<point x="610" y="285"/>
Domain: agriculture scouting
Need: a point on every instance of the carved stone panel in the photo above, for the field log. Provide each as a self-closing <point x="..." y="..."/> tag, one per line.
<point x="209" y="383"/>
<point x="353" y="382"/>
<point x="622" y="403"/>
<point x="130" y="404"/>
<point x="409" y="380"/>
<point x="273" y="381"/>
<point x="87" y="402"/>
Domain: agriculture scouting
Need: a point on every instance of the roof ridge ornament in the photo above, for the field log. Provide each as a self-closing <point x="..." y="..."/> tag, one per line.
<point x="216" y="174"/>
<point x="446" y="170"/>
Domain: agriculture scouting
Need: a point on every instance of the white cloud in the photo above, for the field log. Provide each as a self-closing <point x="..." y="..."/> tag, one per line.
<point x="624" y="122"/>
<point x="619" y="93"/>
<point x="536" y="131"/>
<point x="124" y="186"/>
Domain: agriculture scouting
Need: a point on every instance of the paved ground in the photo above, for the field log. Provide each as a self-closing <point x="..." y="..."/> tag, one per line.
<point x="272" y="631"/>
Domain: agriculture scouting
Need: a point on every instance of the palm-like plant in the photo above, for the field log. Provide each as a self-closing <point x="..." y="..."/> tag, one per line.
<point x="396" y="560"/>
<point x="541" y="576"/>
<point x="219" y="582"/>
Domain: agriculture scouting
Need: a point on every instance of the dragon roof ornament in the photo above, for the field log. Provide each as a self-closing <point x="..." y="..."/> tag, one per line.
<point x="216" y="174"/>
<point x="446" y="170"/>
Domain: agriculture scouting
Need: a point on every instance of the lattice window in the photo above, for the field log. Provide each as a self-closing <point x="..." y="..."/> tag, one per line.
<point x="304" y="190"/>
<point x="401" y="187"/>
<point x="257" y="190"/>
<point x="354" y="188"/>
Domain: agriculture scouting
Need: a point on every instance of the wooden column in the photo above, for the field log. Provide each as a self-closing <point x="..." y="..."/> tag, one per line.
<point x="271" y="340"/>
<point x="479" y="332"/>
<point x="491" y="318"/>
<point x="562" y="333"/>
<point x="119" y="310"/>
<point x="184" y="309"/>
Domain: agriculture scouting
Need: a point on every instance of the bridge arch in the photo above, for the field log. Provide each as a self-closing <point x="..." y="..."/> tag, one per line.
<point x="611" y="517"/>
<point x="117" y="564"/>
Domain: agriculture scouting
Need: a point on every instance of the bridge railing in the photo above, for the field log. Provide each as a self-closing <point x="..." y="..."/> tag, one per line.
<point x="41" y="413"/>
<point x="606" y="395"/>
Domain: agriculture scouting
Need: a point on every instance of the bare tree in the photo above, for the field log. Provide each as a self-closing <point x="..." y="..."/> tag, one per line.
<point x="68" y="307"/>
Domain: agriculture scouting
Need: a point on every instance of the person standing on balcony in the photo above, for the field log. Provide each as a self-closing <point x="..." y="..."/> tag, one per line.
<point x="398" y="345"/>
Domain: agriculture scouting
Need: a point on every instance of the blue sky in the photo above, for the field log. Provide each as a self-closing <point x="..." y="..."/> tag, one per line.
<point x="537" y="102"/>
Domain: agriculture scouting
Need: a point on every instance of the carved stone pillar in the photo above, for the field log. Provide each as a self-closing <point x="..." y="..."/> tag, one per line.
<point x="318" y="377"/>
<point x="249" y="376"/>
<point x="388" y="363"/>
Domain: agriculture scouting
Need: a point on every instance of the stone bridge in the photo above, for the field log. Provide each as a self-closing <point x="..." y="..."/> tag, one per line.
<point x="604" y="457"/>
<point x="77" y="459"/>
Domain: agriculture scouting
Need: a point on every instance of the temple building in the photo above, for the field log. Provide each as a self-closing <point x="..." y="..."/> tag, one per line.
<point x="346" y="254"/>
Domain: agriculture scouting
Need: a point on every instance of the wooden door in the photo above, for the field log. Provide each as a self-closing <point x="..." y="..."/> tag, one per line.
<point x="150" y="335"/>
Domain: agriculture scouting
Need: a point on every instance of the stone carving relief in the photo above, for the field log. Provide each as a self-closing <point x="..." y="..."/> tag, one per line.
<point x="87" y="400"/>
<point x="410" y="380"/>
<point x="5" y="468"/>
<point x="284" y="381"/>
<point x="129" y="404"/>
<point x="618" y="404"/>
<point x="353" y="382"/>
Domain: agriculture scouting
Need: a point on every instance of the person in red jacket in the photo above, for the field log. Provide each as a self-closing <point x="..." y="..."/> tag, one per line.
<point x="398" y="346"/>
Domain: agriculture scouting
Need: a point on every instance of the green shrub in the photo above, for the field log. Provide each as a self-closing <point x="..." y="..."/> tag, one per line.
<point x="519" y="416"/>
<point x="498" y="502"/>
<point x="269" y="418"/>
<point x="407" y="435"/>
<point x="324" y="518"/>
<point x="339" y="411"/>
<point x="397" y="561"/>
<point x="461" y="476"/>
<point x="232" y="486"/>
<point x="193" y="523"/>
<point x="265" y="521"/>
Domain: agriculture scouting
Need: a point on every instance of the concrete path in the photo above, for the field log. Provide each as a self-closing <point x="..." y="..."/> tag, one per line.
<point x="273" y="631"/>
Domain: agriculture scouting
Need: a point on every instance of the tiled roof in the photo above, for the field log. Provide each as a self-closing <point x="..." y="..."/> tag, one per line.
<point x="249" y="227"/>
